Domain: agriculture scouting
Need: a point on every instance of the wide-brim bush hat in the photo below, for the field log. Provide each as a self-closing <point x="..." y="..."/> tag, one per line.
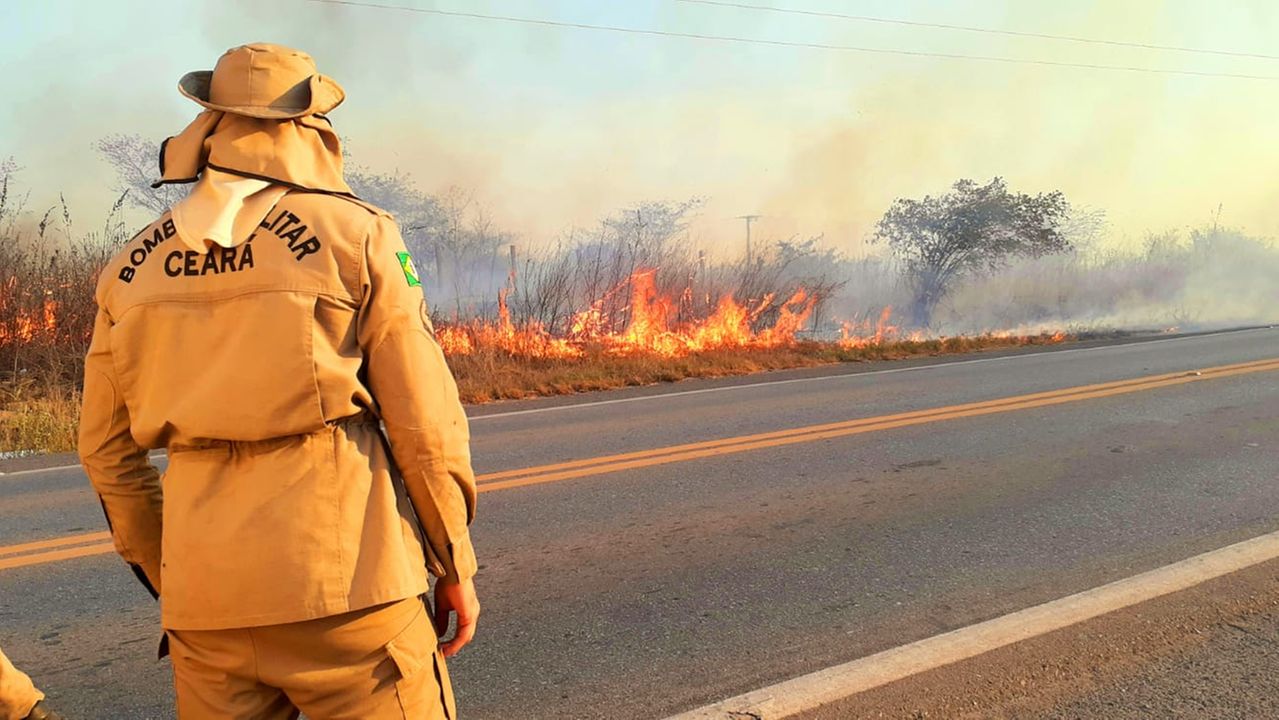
<point x="266" y="81"/>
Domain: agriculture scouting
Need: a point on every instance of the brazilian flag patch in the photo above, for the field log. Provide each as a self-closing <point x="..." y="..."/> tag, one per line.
<point x="410" y="270"/>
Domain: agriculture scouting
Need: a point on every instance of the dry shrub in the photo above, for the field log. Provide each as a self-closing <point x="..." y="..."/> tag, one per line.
<point x="47" y="277"/>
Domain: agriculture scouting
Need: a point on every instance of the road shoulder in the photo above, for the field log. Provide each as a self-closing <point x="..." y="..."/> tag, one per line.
<point x="1209" y="651"/>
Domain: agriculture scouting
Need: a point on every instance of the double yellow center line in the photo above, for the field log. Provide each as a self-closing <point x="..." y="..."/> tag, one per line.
<point x="715" y="448"/>
<point x="46" y="551"/>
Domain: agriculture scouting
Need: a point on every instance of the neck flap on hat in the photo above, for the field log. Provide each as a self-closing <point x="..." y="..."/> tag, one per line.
<point x="303" y="153"/>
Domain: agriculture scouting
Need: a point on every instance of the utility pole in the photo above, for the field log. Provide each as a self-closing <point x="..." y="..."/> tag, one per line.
<point x="750" y="259"/>
<point x="512" y="274"/>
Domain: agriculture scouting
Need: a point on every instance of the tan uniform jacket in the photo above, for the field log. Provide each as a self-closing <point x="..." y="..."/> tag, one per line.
<point x="263" y="369"/>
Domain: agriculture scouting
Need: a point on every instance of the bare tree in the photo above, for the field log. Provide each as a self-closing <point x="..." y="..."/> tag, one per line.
<point x="136" y="162"/>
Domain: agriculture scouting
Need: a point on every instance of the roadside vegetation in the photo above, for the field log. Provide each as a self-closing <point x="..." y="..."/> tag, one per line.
<point x="48" y="270"/>
<point x="493" y="376"/>
<point x="633" y="301"/>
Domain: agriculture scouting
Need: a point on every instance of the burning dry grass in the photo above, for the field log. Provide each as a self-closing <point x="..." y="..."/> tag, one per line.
<point x="47" y="278"/>
<point x="612" y="322"/>
<point x="46" y="312"/>
<point x="648" y="325"/>
<point x="653" y="338"/>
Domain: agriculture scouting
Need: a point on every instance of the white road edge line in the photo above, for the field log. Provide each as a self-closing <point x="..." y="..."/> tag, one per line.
<point x="853" y="375"/>
<point x="33" y="471"/>
<point x="840" y="682"/>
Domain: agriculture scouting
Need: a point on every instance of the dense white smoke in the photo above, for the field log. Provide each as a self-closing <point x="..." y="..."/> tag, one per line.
<point x="1202" y="279"/>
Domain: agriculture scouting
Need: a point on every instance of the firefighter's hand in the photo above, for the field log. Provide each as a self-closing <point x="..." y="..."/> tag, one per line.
<point x="456" y="598"/>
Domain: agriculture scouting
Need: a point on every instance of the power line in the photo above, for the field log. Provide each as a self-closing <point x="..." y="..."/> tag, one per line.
<point x="970" y="28"/>
<point x="791" y="44"/>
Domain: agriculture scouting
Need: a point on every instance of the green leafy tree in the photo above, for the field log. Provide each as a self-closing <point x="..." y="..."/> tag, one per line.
<point x="971" y="229"/>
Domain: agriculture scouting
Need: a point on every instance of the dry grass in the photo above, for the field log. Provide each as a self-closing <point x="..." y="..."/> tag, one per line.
<point x="488" y="376"/>
<point x="43" y="417"/>
<point x="43" y="420"/>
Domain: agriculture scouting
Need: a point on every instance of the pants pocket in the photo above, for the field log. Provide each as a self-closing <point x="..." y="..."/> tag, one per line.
<point x="423" y="686"/>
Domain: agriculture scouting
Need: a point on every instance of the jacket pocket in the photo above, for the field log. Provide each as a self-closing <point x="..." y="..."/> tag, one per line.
<point x="423" y="686"/>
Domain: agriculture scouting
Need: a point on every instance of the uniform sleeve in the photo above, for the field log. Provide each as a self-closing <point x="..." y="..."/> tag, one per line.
<point x="17" y="694"/>
<point x="418" y="401"/>
<point x="124" y="478"/>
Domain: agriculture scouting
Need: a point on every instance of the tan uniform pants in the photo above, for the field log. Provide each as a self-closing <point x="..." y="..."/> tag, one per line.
<point x="374" y="664"/>
<point x="17" y="694"/>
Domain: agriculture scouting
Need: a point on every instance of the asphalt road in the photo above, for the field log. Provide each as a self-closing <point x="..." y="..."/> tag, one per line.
<point x="656" y="588"/>
<point x="1210" y="652"/>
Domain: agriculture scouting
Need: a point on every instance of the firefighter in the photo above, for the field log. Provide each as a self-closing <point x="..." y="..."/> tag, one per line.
<point x="261" y="331"/>
<point x="19" y="698"/>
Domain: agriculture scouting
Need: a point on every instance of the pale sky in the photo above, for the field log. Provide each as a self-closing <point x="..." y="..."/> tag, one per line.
<point x="552" y="127"/>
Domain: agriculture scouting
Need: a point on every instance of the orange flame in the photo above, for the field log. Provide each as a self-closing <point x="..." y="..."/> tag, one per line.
<point x="866" y="333"/>
<point x="29" y="326"/>
<point x="882" y="331"/>
<point x="531" y="340"/>
<point x="650" y="328"/>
